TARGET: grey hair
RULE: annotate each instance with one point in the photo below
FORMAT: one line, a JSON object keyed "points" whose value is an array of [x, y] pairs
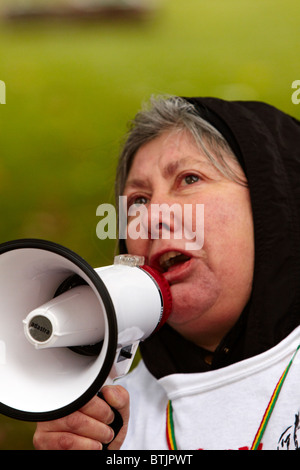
{"points": [[168, 114]]}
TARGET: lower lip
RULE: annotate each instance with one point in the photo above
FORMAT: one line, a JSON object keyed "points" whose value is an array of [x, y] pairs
{"points": [[178, 272]]}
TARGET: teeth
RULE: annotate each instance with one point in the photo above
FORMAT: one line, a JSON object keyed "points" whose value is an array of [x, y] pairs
{"points": [[170, 258], [167, 256]]}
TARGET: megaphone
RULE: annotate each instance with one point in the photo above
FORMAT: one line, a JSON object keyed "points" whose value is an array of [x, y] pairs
{"points": [[67, 329]]}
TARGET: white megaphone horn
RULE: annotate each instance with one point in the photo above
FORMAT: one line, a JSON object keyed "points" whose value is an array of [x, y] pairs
{"points": [[67, 329]]}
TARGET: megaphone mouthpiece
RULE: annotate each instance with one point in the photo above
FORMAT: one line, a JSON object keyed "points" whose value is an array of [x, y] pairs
{"points": [[74, 318]]}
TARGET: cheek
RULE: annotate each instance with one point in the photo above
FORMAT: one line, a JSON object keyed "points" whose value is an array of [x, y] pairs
{"points": [[193, 225], [228, 222], [196, 295], [136, 247], [229, 242]]}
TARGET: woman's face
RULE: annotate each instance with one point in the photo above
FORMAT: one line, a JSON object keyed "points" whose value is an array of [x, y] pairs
{"points": [[210, 281]]}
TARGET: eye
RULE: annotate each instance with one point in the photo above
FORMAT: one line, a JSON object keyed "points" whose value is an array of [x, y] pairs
{"points": [[190, 179], [138, 200]]}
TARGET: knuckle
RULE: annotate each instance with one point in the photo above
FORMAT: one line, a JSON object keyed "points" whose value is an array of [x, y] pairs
{"points": [[108, 415], [108, 435], [75, 421], [37, 441], [123, 395], [65, 442]]}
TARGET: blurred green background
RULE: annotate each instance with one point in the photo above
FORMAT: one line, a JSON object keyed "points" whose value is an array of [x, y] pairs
{"points": [[72, 86]]}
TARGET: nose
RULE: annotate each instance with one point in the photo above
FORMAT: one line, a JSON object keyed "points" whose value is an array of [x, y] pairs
{"points": [[164, 217], [159, 221], [160, 218]]}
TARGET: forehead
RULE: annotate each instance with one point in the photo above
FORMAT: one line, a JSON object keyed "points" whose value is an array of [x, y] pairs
{"points": [[176, 150], [167, 153], [169, 146]]}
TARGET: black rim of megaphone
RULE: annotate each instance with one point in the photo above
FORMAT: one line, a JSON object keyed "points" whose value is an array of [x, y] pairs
{"points": [[94, 388]]}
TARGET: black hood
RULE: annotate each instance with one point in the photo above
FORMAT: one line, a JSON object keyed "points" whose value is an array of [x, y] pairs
{"points": [[267, 143]]}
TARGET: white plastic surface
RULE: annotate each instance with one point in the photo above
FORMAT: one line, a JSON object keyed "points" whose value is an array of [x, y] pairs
{"points": [[75, 318], [40, 380], [136, 299], [35, 380]]}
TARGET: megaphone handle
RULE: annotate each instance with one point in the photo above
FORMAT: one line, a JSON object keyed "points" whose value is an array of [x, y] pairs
{"points": [[117, 422]]}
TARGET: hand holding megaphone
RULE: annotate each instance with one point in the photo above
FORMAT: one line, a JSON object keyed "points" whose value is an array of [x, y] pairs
{"points": [[91, 427], [67, 329]]}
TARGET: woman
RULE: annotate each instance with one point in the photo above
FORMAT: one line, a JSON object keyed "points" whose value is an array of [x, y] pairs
{"points": [[234, 326]]}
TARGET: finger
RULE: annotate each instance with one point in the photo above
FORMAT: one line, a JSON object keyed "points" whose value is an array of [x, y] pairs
{"points": [[98, 409], [118, 398], [79, 424], [64, 441], [86, 426]]}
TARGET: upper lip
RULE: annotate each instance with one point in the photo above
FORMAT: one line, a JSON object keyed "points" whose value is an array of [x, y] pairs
{"points": [[162, 260]]}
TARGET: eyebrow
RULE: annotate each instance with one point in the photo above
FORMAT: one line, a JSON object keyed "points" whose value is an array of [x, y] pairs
{"points": [[168, 171], [136, 183], [171, 168]]}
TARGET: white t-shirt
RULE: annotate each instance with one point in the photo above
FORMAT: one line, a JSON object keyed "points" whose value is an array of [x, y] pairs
{"points": [[220, 409]]}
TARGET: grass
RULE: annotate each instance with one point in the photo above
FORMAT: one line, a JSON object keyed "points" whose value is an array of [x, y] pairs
{"points": [[71, 88]]}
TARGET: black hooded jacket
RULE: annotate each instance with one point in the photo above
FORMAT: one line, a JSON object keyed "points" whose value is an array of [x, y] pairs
{"points": [[267, 143]]}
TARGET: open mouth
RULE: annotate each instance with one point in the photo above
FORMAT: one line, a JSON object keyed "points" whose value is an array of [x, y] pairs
{"points": [[172, 258]]}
